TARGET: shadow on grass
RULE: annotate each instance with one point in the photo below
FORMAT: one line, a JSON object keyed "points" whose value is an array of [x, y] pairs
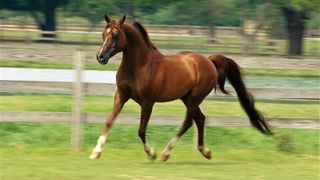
{"points": [[190, 162]]}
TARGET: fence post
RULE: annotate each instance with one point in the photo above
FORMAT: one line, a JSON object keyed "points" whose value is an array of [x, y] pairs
{"points": [[77, 115]]}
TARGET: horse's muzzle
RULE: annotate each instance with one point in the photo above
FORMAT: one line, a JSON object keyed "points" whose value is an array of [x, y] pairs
{"points": [[103, 58]]}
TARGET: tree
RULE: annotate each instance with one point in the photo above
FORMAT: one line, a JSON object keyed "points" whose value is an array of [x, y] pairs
{"points": [[43, 11], [141, 9], [296, 12], [92, 10]]}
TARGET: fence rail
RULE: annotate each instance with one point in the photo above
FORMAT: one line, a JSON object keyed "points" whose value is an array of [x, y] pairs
{"points": [[156, 120], [177, 36], [225, 40], [109, 89], [190, 29]]}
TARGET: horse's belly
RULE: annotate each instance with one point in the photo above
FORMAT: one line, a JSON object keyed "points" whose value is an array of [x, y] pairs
{"points": [[175, 81], [174, 90], [170, 97]]}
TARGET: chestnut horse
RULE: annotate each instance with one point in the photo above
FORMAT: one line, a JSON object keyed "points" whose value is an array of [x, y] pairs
{"points": [[147, 76]]}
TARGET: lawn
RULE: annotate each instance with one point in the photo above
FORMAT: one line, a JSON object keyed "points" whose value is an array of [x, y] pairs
{"points": [[41, 151], [216, 107]]}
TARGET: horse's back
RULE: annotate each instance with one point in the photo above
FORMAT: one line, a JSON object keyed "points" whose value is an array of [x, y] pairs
{"points": [[206, 73], [200, 64], [182, 73]]}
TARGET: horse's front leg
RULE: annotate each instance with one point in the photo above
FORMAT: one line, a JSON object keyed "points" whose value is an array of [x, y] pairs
{"points": [[146, 109], [119, 100]]}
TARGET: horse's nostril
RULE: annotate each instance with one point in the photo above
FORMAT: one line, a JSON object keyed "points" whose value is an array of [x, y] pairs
{"points": [[101, 56]]}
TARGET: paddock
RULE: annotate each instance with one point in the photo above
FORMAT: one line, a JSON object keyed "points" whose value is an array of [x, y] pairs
{"points": [[37, 116]]}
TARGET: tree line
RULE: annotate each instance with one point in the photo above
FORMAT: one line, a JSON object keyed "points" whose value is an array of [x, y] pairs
{"points": [[288, 16]]}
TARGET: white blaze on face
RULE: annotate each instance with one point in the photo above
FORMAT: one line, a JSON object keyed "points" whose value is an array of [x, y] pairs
{"points": [[105, 41], [108, 30]]}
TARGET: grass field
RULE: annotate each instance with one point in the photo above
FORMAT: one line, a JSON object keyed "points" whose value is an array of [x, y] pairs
{"points": [[217, 107], [41, 151], [114, 67]]}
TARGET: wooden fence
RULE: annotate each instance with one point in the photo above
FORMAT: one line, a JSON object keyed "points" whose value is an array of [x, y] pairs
{"points": [[156, 120], [109, 90], [78, 117], [225, 40]]}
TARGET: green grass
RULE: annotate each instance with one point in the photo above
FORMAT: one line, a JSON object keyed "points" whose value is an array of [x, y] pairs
{"points": [[41, 151], [282, 72], [54, 65], [114, 67], [217, 107]]}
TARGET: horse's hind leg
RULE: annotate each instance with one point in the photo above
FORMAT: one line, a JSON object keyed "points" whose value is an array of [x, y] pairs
{"points": [[191, 110], [199, 119]]}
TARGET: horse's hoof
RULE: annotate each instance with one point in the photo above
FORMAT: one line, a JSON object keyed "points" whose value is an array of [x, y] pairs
{"points": [[165, 157], [95, 155], [207, 154], [154, 156]]}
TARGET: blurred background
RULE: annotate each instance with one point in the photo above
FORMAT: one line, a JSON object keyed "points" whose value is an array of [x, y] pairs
{"points": [[54, 96]]}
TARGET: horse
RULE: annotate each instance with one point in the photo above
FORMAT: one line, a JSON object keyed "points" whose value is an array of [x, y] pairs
{"points": [[147, 76]]}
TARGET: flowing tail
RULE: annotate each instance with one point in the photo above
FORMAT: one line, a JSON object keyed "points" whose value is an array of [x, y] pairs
{"points": [[227, 68]]}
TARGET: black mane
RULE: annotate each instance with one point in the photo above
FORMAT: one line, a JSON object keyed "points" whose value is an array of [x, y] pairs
{"points": [[144, 34]]}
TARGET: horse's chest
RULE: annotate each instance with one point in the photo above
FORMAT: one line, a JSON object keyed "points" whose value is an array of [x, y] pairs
{"points": [[137, 86], [130, 88]]}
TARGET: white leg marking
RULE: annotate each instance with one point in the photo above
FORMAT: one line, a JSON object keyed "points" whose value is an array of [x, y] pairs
{"points": [[96, 152], [148, 149], [170, 146], [102, 139]]}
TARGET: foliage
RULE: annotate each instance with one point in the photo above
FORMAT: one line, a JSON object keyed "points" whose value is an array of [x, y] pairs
{"points": [[92, 10], [206, 12], [298, 5], [296, 12], [42, 10], [29, 5], [314, 22], [189, 12]]}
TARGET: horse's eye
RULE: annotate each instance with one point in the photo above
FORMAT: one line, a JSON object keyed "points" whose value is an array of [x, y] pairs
{"points": [[115, 36]]}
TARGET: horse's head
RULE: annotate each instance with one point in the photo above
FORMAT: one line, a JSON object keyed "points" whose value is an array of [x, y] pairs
{"points": [[114, 40]]}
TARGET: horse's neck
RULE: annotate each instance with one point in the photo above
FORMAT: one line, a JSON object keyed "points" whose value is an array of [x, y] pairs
{"points": [[136, 55]]}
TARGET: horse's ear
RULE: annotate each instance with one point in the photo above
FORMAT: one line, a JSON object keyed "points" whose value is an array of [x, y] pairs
{"points": [[108, 20], [121, 21]]}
